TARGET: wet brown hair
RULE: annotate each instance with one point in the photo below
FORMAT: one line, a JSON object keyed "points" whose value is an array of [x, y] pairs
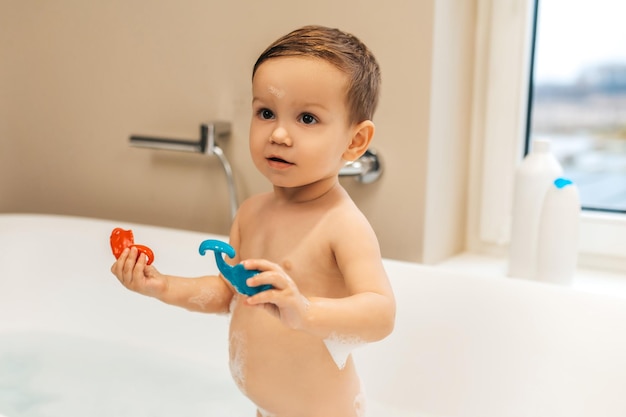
{"points": [[343, 50]]}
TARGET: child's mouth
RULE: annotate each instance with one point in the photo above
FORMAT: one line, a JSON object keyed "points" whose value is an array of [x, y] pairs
{"points": [[279, 160], [278, 163]]}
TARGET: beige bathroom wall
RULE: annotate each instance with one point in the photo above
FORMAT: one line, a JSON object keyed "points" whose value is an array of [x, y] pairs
{"points": [[78, 77]]}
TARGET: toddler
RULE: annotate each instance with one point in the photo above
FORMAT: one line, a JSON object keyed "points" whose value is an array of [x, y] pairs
{"points": [[314, 94]]}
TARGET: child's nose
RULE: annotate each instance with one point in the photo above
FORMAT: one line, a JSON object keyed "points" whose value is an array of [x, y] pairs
{"points": [[280, 136]]}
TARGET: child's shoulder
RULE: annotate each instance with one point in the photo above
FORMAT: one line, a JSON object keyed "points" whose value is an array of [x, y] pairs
{"points": [[345, 218]]}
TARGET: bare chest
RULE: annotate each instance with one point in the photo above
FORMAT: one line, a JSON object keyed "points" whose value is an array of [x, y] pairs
{"points": [[302, 247]]}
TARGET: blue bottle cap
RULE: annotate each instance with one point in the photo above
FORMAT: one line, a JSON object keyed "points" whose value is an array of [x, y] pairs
{"points": [[562, 182]]}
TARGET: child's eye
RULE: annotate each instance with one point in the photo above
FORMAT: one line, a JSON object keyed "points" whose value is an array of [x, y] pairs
{"points": [[265, 114], [308, 119]]}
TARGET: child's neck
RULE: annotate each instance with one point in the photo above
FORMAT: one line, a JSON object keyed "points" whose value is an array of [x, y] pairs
{"points": [[307, 193]]}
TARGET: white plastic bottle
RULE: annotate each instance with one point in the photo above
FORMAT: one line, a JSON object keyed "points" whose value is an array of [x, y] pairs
{"points": [[557, 248], [532, 179]]}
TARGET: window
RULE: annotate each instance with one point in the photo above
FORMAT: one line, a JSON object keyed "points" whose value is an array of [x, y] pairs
{"points": [[500, 108], [578, 96]]}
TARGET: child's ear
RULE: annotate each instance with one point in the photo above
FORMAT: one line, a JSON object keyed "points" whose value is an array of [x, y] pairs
{"points": [[361, 138]]}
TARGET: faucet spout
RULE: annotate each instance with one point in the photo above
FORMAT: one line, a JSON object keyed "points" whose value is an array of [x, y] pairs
{"points": [[209, 134]]}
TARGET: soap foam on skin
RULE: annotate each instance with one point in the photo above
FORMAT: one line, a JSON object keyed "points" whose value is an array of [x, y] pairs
{"points": [[360, 402], [340, 347], [233, 302], [203, 299], [237, 348], [276, 92]]}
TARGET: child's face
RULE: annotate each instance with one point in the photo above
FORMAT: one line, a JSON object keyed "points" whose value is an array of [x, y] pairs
{"points": [[299, 129]]}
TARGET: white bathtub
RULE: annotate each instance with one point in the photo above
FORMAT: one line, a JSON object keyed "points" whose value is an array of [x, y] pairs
{"points": [[463, 346]]}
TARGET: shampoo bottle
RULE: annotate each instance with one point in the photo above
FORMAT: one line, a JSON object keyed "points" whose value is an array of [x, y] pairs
{"points": [[557, 248], [532, 179]]}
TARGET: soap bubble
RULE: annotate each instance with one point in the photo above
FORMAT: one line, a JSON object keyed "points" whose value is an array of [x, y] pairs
{"points": [[340, 347]]}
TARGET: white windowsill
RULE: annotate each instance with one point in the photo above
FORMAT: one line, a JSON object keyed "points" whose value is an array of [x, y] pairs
{"points": [[502, 64], [588, 280]]}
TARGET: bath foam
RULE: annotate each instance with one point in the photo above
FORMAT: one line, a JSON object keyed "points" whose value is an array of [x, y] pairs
{"points": [[237, 348], [203, 299], [340, 347], [360, 402], [275, 91], [233, 303]]}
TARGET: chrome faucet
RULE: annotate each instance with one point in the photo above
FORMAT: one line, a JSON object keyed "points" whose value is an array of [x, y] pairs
{"points": [[209, 133], [367, 169], [207, 144]]}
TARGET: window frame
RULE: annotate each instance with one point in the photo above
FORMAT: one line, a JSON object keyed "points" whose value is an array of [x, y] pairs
{"points": [[504, 30]]}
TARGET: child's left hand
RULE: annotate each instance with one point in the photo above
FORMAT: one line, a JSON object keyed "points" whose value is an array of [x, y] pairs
{"points": [[284, 300]]}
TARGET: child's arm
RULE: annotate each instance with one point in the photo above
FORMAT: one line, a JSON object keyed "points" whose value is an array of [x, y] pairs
{"points": [[209, 294], [367, 314]]}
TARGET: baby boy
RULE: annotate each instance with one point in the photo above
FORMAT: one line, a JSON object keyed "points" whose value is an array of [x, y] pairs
{"points": [[314, 94]]}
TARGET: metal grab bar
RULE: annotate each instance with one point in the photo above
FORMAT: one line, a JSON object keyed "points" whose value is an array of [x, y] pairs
{"points": [[209, 134]]}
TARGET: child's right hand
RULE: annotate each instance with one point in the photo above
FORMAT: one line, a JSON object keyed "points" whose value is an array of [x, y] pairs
{"points": [[132, 271]]}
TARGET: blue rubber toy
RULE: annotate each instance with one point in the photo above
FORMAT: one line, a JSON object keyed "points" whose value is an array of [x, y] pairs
{"points": [[237, 275]]}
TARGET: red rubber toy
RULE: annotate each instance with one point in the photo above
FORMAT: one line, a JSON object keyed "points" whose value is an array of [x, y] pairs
{"points": [[122, 239]]}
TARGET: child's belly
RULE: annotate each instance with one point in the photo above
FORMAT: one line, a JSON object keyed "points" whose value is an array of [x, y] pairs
{"points": [[287, 372]]}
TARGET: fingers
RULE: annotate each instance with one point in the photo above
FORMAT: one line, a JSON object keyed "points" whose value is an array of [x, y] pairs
{"points": [[283, 287], [276, 278], [129, 267], [284, 300], [272, 296], [118, 265], [261, 265]]}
